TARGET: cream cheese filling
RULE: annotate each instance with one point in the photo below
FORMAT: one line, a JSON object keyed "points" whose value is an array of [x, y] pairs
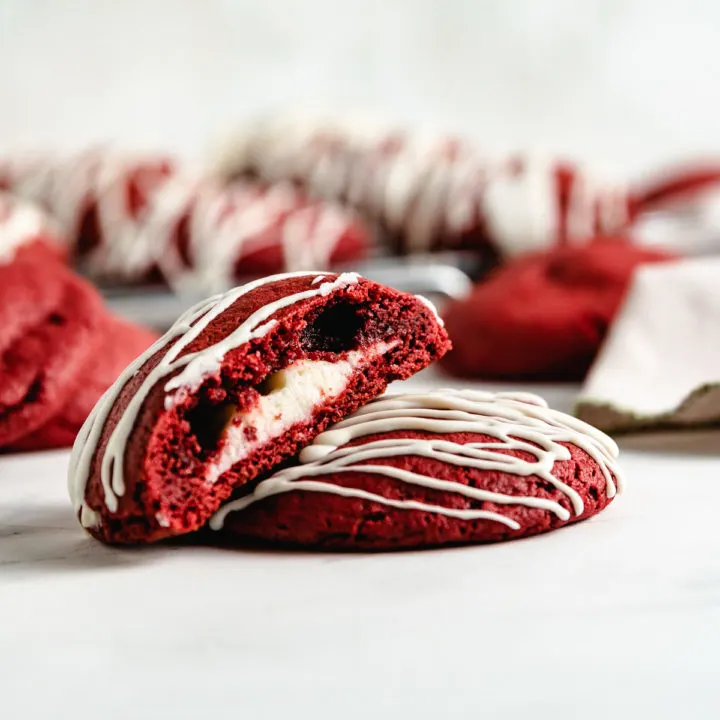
{"points": [[294, 394]]}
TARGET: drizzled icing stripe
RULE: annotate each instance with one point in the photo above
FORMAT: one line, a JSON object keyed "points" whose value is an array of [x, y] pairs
{"points": [[224, 224], [517, 421], [194, 367], [432, 190]]}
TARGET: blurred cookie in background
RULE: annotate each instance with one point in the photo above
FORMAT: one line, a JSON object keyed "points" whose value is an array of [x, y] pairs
{"points": [[429, 192], [543, 316], [147, 220]]}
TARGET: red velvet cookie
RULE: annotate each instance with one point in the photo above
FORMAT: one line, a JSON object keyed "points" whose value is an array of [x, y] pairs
{"points": [[213, 235], [49, 320], [97, 198], [543, 316], [434, 193], [447, 467], [117, 343], [239, 384], [142, 220]]}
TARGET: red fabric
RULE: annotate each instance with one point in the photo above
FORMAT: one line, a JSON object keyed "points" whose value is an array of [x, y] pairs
{"points": [[545, 315]]}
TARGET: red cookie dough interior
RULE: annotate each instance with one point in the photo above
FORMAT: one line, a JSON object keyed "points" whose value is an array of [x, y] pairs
{"points": [[320, 361]]}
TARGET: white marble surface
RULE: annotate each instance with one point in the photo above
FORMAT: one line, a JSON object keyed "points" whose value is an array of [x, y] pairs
{"points": [[617, 617]]}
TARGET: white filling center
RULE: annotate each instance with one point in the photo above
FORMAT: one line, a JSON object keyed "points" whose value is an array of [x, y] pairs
{"points": [[295, 393]]}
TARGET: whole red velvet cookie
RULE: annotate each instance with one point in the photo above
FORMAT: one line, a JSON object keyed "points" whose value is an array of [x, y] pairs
{"points": [[239, 384], [117, 343], [49, 323], [447, 467], [543, 316]]}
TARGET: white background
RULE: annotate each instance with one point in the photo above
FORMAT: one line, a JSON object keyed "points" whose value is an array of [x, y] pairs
{"points": [[623, 84]]}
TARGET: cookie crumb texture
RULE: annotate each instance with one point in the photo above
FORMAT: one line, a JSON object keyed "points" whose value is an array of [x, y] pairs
{"points": [[413, 488], [260, 374]]}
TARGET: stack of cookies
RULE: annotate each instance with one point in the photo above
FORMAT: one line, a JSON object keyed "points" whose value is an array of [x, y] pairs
{"points": [[260, 415]]}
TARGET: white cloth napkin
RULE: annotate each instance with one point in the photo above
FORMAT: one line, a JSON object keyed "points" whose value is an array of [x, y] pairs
{"points": [[660, 363]]}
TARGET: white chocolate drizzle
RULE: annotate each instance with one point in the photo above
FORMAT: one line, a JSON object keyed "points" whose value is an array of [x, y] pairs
{"points": [[516, 422], [193, 369], [225, 223], [431, 191]]}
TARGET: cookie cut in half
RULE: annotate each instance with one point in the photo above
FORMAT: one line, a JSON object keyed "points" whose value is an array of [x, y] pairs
{"points": [[239, 384], [443, 468]]}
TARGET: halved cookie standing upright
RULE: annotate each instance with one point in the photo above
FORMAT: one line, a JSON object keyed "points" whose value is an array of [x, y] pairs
{"points": [[239, 384]]}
